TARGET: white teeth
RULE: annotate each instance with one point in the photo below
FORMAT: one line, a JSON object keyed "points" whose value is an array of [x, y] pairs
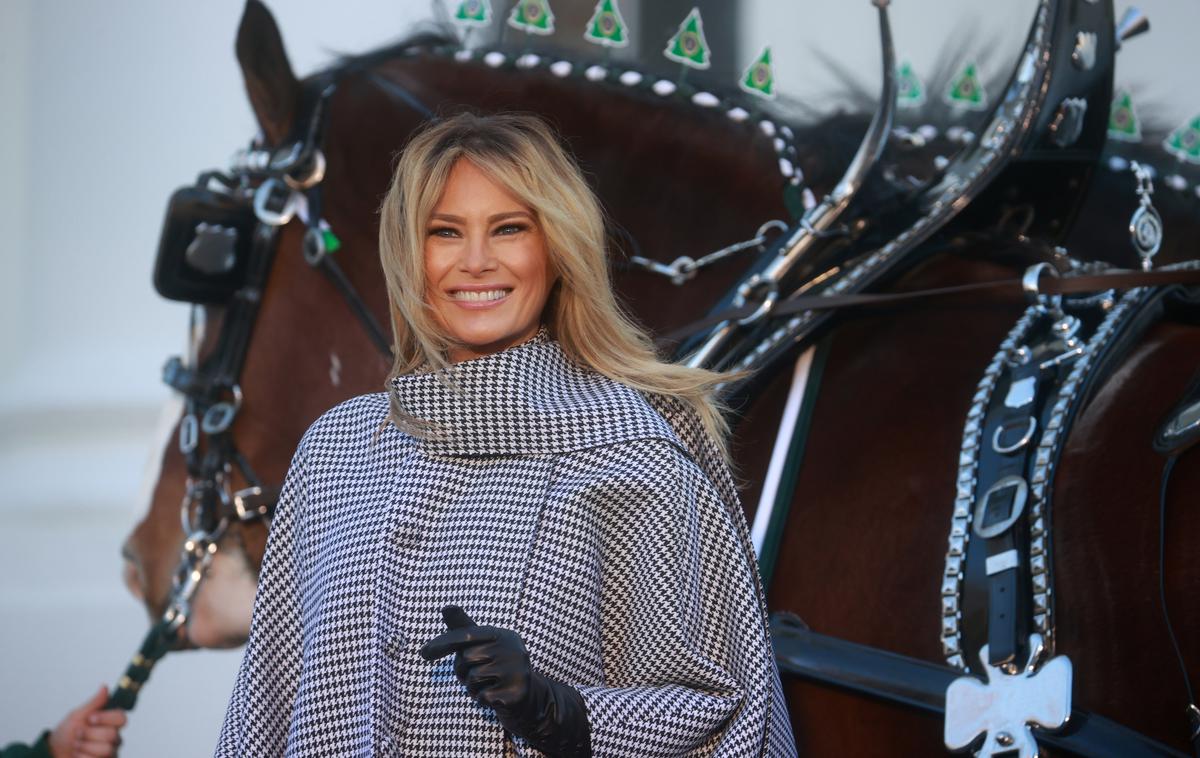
{"points": [[479, 296]]}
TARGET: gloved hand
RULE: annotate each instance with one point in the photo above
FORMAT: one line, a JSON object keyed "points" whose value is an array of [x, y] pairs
{"points": [[494, 665]]}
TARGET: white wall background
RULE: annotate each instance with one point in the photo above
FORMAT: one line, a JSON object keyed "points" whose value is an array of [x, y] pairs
{"points": [[105, 108]]}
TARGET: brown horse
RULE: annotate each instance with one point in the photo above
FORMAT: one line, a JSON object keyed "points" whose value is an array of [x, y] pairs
{"points": [[862, 554]]}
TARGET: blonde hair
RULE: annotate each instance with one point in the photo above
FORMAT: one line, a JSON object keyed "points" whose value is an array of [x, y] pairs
{"points": [[522, 154]]}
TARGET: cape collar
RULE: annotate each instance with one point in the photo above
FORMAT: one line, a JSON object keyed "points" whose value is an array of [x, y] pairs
{"points": [[528, 399]]}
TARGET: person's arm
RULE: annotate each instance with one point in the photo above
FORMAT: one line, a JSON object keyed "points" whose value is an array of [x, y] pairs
{"points": [[39, 749], [88, 731], [260, 709], [686, 654], [687, 658]]}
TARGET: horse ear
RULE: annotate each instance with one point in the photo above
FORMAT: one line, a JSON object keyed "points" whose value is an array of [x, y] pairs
{"points": [[273, 89]]}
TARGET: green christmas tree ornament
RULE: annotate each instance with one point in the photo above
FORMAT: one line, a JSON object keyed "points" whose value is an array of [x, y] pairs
{"points": [[910, 90], [1123, 122], [606, 26], [688, 46], [1184, 142], [473, 13], [759, 78], [966, 90], [533, 16]]}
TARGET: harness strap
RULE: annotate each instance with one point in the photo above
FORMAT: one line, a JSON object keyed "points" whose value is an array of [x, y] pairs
{"points": [[335, 274], [1012, 287], [803, 653]]}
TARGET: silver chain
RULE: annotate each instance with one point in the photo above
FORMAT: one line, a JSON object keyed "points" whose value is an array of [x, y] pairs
{"points": [[685, 267]]}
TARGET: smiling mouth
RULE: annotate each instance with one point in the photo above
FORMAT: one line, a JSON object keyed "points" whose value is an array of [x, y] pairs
{"points": [[479, 296]]}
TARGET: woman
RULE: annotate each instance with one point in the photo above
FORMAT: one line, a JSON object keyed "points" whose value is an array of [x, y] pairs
{"points": [[530, 544]]}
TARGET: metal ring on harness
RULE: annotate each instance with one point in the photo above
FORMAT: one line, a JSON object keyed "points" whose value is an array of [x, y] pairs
{"points": [[263, 196], [314, 176], [219, 416], [756, 282], [1020, 443], [313, 247], [194, 496]]}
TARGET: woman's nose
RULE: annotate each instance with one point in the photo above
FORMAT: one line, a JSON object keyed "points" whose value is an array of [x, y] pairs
{"points": [[477, 256]]}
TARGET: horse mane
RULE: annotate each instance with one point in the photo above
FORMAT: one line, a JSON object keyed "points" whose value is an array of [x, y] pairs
{"points": [[424, 35]]}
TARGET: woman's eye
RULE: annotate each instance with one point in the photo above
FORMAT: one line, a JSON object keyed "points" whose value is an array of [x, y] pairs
{"points": [[442, 231], [511, 229]]}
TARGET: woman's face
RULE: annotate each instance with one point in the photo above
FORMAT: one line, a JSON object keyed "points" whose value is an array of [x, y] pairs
{"points": [[487, 272]]}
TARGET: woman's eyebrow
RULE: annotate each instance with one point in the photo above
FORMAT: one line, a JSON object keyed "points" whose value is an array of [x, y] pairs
{"points": [[509, 214], [490, 219]]}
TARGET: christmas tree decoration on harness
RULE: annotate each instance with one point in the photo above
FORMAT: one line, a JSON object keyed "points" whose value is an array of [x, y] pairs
{"points": [[606, 26], [532, 16], [910, 90], [688, 46], [1123, 121], [966, 90], [1184, 142], [473, 13], [759, 77]]}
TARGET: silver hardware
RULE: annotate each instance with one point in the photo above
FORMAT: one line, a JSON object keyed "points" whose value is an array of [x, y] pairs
{"points": [[314, 177], [189, 433], [1021, 392], [1084, 54], [220, 415], [313, 247], [1061, 358], [1001, 562], [953, 566], [1067, 123], [1145, 226], [1020, 495], [266, 195], [1030, 284], [1017, 356], [769, 289], [826, 213], [1007, 704], [245, 509], [193, 498], [197, 321], [1133, 22], [1182, 423], [212, 251], [1015, 446], [684, 268]]}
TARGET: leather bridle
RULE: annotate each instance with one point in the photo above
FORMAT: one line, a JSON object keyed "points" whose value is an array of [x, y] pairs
{"points": [[277, 185]]}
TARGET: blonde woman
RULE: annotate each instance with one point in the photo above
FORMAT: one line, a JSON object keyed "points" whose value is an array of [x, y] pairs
{"points": [[530, 543]]}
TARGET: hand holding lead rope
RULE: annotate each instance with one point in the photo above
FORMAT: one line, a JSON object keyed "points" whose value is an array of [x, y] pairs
{"points": [[493, 664]]}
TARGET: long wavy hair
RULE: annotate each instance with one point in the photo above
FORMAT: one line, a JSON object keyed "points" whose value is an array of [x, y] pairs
{"points": [[521, 153]]}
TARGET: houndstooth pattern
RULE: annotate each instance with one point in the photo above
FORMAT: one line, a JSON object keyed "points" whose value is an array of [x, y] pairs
{"points": [[552, 501]]}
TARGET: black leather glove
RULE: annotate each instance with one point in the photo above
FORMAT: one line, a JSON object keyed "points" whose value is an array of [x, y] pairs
{"points": [[493, 664]]}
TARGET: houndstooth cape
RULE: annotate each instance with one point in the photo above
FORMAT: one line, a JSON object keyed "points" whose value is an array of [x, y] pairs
{"points": [[600, 525]]}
